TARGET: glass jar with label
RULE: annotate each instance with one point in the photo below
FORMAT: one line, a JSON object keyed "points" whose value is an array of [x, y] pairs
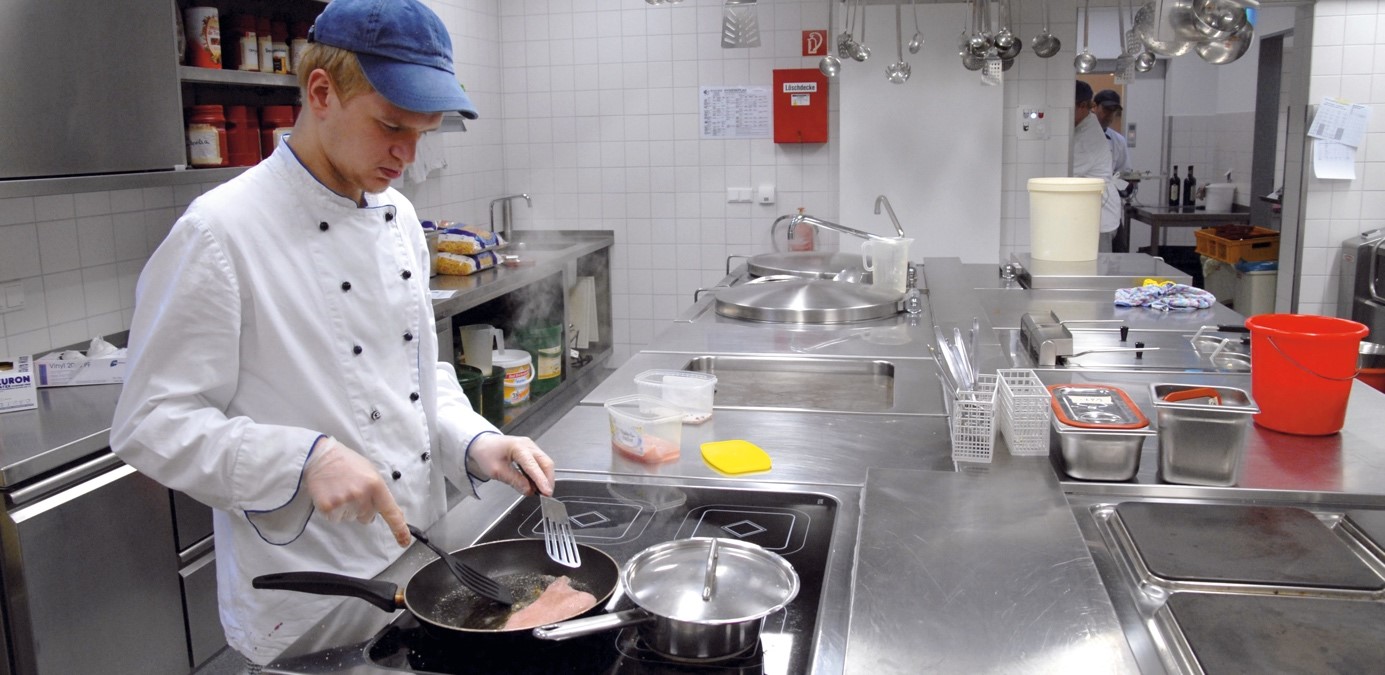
{"points": [[206, 136], [276, 122]]}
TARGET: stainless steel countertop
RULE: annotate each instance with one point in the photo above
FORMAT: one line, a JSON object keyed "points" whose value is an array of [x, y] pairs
{"points": [[978, 572]]}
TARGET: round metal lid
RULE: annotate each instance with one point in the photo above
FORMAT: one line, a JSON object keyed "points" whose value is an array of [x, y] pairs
{"points": [[667, 579], [806, 301], [806, 264]]}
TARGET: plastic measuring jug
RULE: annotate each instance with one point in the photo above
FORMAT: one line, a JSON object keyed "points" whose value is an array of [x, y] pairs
{"points": [[478, 340], [888, 262]]}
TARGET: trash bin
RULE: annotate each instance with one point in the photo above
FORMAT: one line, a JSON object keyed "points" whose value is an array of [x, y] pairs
{"points": [[1219, 279], [1255, 287]]}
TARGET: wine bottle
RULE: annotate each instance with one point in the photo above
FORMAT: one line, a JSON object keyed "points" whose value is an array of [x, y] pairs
{"points": [[1189, 187], [1173, 187]]}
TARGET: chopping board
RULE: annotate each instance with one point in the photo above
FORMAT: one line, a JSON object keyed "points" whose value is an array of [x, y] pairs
{"points": [[1217, 543], [1279, 634]]}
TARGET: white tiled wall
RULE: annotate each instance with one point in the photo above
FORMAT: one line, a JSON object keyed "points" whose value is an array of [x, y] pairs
{"points": [[1348, 61]]}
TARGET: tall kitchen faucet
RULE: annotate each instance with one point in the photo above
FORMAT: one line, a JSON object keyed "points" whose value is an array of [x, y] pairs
{"points": [[882, 200], [795, 219], [505, 217]]}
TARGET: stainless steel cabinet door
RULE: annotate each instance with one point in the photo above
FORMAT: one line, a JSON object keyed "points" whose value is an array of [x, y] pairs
{"points": [[89, 88], [91, 579]]}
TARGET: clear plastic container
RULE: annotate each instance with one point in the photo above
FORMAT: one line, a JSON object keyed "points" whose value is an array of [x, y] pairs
{"points": [[645, 428], [691, 391]]}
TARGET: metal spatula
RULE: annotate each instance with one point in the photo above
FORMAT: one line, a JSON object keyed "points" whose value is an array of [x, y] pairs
{"points": [[484, 586], [557, 529]]}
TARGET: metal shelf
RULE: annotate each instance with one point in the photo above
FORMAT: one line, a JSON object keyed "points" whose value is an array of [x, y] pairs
{"points": [[244, 78]]}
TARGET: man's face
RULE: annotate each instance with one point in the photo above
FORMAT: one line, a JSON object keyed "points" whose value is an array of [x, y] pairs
{"points": [[1105, 115], [1080, 112], [368, 141]]}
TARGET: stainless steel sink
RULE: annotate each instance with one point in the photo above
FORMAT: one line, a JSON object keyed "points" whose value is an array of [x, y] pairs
{"points": [[844, 385]]}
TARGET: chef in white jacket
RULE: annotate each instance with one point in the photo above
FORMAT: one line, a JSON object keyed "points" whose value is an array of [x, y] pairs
{"points": [[1091, 158], [283, 363]]}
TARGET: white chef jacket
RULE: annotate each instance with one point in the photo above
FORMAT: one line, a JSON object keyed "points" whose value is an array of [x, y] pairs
{"points": [[1120, 151], [1091, 158], [275, 312]]}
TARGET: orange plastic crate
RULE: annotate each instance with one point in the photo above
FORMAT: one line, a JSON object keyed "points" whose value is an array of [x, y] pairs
{"points": [[1256, 245]]}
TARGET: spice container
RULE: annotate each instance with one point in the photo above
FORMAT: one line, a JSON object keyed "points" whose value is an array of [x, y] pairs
{"points": [[279, 43], [202, 26], [266, 44], [298, 43], [206, 136], [1202, 432], [242, 136], [245, 47], [1099, 430], [276, 122]]}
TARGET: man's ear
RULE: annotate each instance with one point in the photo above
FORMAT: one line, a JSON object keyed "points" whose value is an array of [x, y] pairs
{"points": [[319, 92]]}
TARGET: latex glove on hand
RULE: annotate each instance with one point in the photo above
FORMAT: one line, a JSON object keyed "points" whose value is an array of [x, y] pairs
{"points": [[343, 485], [498, 457]]}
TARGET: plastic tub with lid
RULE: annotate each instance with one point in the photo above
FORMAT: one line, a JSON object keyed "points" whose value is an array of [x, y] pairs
{"points": [[645, 429], [1065, 218], [519, 372], [692, 391]]}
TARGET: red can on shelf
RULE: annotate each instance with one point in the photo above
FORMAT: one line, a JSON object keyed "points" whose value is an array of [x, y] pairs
{"points": [[202, 26], [242, 136], [276, 121], [206, 136]]}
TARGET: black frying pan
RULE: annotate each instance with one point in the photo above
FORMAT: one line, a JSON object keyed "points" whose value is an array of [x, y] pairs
{"points": [[446, 608]]}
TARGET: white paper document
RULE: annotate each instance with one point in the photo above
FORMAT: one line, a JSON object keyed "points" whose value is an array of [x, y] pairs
{"points": [[1334, 161], [735, 112], [1342, 122], [441, 295]]}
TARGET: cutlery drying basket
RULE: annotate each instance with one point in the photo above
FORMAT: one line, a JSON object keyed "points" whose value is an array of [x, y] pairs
{"points": [[971, 420], [1024, 411]]}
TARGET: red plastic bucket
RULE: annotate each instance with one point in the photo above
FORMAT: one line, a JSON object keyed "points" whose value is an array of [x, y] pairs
{"points": [[1301, 370]]}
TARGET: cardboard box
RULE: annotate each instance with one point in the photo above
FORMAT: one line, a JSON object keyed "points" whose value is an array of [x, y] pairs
{"points": [[53, 372], [17, 391]]}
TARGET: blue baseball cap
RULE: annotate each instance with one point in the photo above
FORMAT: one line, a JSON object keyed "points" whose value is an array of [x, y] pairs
{"points": [[403, 48]]}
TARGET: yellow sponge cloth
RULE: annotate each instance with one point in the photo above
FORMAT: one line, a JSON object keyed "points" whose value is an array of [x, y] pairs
{"points": [[735, 456]]}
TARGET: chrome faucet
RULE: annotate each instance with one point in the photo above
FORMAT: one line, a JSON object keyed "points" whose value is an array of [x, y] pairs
{"points": [[505, 218], [882, 200], [797, 218]]}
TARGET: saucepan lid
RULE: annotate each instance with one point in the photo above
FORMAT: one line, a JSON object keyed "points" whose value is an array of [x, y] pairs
{"points": [[670, 580], [1095, 406]]}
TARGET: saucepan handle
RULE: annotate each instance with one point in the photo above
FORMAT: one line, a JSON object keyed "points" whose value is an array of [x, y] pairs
{"points": [[576, 628]]}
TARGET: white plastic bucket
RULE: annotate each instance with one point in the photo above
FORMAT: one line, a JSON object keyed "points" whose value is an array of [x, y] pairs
{"points": [[1065, 218], [1219, 198], [519, 372]]}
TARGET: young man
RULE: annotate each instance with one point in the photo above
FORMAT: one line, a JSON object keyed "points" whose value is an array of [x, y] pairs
{"points": [[283, 363], [1107, 106], [1091, 158]]}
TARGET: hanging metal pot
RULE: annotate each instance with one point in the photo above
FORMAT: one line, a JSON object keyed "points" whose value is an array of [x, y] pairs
{"points": [[1221, 52]]}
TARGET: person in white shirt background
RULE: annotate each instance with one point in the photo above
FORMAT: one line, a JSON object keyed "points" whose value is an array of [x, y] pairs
{"points": [[283, 362], [1091, 158], [1107, 107]]}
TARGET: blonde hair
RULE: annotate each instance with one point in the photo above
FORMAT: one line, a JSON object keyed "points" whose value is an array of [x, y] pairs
{"points": [[342, 68]]}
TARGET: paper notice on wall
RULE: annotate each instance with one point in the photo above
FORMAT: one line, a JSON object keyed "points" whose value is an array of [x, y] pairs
{"points": [[1340, 121], [734, 112], [1334, 161]]}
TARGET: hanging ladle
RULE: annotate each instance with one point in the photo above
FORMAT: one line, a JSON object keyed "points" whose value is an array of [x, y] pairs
{"points": [[1085, 62], [1046, 44], [917, 41], [898, 72], [860, 52], [830, 65]]}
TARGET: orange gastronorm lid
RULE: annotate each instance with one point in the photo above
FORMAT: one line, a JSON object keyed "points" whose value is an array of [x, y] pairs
{"points": [[1095, 406]]}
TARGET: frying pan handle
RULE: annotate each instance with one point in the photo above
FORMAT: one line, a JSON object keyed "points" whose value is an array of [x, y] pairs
{"points": [[576, 628], [382, 594]]}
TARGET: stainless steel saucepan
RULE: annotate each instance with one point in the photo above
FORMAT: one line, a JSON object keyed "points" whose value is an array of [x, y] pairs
{"points": [[697, 599]]}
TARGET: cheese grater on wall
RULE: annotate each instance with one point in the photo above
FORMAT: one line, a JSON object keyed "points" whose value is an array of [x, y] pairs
{"points": [[740, 24]]}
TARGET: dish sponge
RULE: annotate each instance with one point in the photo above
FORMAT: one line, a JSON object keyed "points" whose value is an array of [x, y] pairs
{"points": [[735, 456]]}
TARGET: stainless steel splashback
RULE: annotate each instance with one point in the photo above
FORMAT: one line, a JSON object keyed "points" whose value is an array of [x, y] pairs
{"points": [[90, 88]]}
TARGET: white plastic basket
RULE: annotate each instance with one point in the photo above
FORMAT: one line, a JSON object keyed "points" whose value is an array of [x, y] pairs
{"points": [[971, 421], [1024, 411]]}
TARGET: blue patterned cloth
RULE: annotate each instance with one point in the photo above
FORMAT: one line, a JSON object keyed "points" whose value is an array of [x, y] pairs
{"points": [[1165, 297]]}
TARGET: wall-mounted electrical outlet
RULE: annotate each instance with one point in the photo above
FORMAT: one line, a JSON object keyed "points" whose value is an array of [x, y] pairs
{"points": [[11, 296]]}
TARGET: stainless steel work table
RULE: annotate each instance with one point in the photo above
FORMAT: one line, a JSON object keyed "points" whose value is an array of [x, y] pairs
{"points": [[1159, 217]]}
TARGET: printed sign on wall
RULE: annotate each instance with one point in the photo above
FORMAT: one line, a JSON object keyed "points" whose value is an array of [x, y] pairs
{"points": [[815, 43]]}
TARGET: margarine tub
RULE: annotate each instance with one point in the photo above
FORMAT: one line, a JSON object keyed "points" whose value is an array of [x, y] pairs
{"points": [[519, 372]]}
